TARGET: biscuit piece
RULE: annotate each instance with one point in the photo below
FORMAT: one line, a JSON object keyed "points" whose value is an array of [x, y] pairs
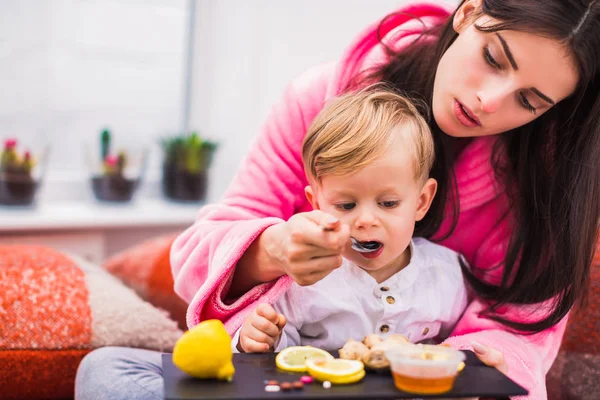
{"points": [[375, 358], [396, 338], [353, 350], [371, 340]]}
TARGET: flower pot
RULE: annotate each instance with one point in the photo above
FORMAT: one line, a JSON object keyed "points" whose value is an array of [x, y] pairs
{"points": [[114, 182], [22, 169], [17, 190], [187, 158], [114, 188], [182, 185]]}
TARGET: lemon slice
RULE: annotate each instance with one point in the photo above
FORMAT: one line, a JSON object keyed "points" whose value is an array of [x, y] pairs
{"points": [[337, 371], [293, 359]]}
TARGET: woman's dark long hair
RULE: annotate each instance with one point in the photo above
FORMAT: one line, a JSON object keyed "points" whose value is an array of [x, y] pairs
{"points": [[552, 163]]}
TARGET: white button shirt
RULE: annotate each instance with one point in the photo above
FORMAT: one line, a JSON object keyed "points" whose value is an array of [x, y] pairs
{"points": [[423, 301]]}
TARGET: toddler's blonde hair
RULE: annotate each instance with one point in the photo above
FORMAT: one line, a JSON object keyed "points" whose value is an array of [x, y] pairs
{"points": [[357, 128]]}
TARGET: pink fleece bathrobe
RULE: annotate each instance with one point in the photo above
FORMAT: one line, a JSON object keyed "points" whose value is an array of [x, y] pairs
{"points": [[269, 189]]}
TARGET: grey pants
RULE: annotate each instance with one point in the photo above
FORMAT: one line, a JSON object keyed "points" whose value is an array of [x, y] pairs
{"points": [[115, 373]]}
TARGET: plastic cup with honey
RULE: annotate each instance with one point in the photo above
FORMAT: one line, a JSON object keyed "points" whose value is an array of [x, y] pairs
{"points": [[424, 369]]}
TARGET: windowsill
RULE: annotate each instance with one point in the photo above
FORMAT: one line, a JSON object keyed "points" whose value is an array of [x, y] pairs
{"points": [[68, 215]]}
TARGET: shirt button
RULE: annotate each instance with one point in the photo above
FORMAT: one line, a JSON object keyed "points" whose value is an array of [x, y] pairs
{"points": [[384, 328], [425, 331], [390, 299], [384, 288]]}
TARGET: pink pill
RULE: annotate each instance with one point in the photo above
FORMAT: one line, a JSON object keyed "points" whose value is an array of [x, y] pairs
{"points": [[306, 379]]}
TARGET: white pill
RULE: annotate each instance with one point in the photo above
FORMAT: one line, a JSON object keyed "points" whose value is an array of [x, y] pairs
{"points": [[326, 385], [272, 388]]}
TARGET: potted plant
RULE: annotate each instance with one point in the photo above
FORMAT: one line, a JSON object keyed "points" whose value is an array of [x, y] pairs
{"points": [[18, 183], [186, 162], [116, 177]]}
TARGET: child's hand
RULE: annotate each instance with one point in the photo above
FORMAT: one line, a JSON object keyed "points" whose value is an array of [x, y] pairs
{"points": [[260, 330]]}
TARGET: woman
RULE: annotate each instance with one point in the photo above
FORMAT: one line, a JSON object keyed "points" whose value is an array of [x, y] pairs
{"points": [[513, 88]]}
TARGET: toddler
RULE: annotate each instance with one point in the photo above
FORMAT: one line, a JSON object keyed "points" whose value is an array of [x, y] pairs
{"points": [[367, 156]]}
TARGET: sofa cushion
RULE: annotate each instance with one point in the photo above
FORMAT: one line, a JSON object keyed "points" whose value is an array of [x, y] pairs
{"points": [[574, 376], [576, 372], [146, 269], [583, 330], [54, 309]]}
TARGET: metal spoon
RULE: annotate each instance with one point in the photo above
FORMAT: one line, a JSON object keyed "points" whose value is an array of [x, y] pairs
{"points": [[364, 248], [356, 245]]}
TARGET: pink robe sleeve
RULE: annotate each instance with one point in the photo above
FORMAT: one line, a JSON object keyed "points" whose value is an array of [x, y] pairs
{"points": [[268, 189]]}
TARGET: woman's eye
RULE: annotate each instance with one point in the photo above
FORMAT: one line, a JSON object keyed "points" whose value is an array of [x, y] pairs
{"points": [[525, 103], [389, 204], [345, 206], [490, 59]]}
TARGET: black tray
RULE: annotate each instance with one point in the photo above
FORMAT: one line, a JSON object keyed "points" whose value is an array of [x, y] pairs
{"points": [[251, 370]]}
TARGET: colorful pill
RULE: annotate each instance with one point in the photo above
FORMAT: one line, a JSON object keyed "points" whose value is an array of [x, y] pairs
{"points": [[272, 388], [298, 385]]}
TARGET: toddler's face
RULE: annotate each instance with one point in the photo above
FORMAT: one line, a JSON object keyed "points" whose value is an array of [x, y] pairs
{"points": [[380, 203]]}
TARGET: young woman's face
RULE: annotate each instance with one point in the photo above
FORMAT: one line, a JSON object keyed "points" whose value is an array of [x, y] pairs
{"points": [[489, 83]]}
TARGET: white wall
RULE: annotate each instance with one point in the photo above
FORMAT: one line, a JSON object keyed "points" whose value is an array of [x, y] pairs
{"points": [[70, 67], [247, 51]]}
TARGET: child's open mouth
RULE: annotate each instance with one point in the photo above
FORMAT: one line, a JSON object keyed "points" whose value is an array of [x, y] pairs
{"points": [[373, 253], [369, 246]]}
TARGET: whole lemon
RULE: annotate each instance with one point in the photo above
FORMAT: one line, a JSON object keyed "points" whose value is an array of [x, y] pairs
{"points": [[204, 351]]}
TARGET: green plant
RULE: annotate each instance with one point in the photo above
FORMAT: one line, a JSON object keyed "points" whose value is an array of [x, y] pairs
{"points": [[111, 164], [189, 153], [11, 162]]}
